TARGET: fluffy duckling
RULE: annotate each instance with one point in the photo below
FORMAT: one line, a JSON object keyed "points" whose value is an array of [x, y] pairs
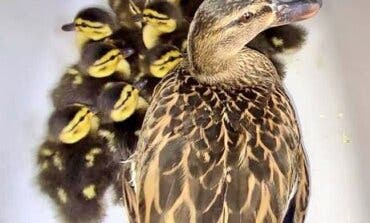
{"points": [[92, 24], [157, 63], [76, 177], [100, 63], [126, 10], [95, 24], [72, 123], [279, 40], [164, 23], [118, 101], [76, 87], [221, 141], [99, 60], [160, 60], [76, 164], [123, 111]]}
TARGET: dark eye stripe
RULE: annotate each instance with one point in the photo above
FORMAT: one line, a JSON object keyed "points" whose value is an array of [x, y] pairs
{"points": [[154, 17], [170, 59], [124, 101], [82, 118], [110, 59], [84, 25]]}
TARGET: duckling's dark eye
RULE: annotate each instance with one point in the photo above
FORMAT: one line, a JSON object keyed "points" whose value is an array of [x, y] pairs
{"points": [[245, 17]]}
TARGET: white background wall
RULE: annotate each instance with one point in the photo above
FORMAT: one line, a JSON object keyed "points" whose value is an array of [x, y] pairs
{"points": [[328, 81]]}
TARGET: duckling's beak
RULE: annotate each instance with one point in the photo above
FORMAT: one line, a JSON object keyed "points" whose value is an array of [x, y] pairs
{"points": [[140, 85], [126, 52], [288, 11], [69, 27]]}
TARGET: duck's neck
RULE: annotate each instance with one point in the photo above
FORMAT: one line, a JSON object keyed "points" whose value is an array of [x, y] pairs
{"points": [[215, 64]]}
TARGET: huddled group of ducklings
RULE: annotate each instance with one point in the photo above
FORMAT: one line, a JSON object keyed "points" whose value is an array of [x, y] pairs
{"points": [[101, 101]]}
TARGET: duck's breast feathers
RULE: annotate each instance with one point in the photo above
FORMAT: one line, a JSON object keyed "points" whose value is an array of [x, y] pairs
{"points": [[202, 148]]}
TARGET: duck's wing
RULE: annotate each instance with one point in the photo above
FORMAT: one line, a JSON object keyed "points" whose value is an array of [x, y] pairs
{"points": [[129, 194], [197, 165], [297, 209]]}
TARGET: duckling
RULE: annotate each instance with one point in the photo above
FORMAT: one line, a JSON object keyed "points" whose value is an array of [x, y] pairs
{"points": [[76, 177], [188, 8], [76, 164], [126, 10], [164, 23], [157, 62], [279, 40], [220, 132], [72, 123], [160, 60], [100, 63], [118, 101], [123, 112], [101, 60], [75, 87], [92, 24]]}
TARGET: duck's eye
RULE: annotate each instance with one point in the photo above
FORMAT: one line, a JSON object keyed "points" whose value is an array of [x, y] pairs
{"points": [[245, 17]]}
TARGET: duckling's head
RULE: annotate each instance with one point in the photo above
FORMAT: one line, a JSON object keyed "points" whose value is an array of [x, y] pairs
{"points": [[72, 123], [118, 101], [99, 59], [221, 28], [162, 15], [161, 60], [92, 24]]}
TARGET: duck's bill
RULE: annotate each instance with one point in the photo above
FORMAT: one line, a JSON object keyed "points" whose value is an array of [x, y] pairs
{"points": [[69, 27], [288, 11]]}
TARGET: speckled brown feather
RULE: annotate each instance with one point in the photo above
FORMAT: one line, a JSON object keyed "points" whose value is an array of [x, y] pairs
{"points": [[211, 154]]}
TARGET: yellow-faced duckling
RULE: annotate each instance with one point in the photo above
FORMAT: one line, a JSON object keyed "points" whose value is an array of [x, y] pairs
{"points": [[221, 141], [118, 101], [163, 23], [101, 60], [92, 24], [123, 111], [100, 63], [126, 11], [72, 123], [77, 164], [161, 60], [157, 63]]}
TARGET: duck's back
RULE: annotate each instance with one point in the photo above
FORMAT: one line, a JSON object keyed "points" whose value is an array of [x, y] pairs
{"points": [[213, 155]]}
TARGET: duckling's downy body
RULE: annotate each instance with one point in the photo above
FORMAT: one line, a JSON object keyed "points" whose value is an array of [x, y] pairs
{"points": [[100, 63], [75, 87], [220, 141], [77, 164], [76, 176]]}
